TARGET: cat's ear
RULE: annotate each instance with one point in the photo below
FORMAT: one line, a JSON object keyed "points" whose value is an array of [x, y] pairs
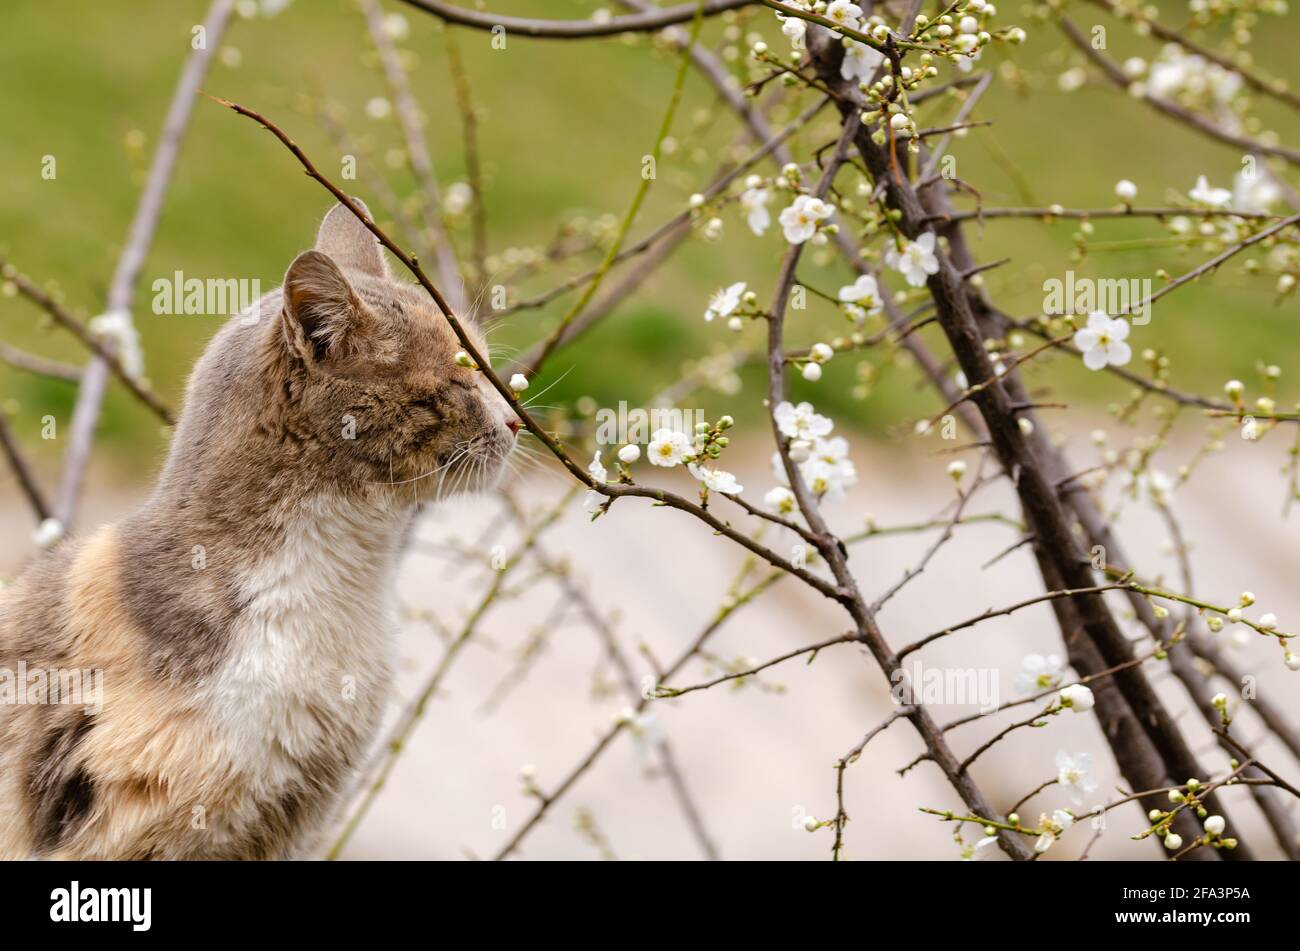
{"points": [[344, 238], [322, 314]]}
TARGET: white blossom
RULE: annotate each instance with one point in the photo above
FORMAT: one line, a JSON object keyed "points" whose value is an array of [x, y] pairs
{"points": [[860, 61], [863, 293], [801, 422], [1078, 698], [795, 28], [456, 199], [828, 470], [593, 500], [669, 448], [1254, 194], [833, 452], [1125, 190], [716, 479], [1177, 73], [799, 220], [824, 481], [1203, 194], [1071, 79], [1155, 486], [1059, 821], [1039, 673], [916, 261], [1072, 775], [980, 847], [724, 301], [1215, 825], [780, 500], [1134, 67], [116, 329], [845, 13], [754, 202], [397, 26], [629, 453], [824, 465], [1102, 341]]}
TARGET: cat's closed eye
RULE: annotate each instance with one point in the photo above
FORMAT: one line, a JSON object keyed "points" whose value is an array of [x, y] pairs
{"points": [[431, 404]]}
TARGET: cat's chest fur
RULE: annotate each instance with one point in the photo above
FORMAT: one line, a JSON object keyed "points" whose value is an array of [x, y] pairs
{"points": [[307, 674]]}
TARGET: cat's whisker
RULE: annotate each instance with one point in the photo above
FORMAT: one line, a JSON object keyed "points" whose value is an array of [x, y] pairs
{"points": [[540, 393], [426, 475]]}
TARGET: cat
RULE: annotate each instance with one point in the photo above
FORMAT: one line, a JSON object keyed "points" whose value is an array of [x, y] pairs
{"points": [[244, 615]]}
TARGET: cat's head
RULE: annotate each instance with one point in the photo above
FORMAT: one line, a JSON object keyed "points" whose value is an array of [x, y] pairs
{"points": [[374, 373]]}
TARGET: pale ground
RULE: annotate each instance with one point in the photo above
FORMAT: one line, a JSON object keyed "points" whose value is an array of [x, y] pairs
{"points": [[757, 760]]}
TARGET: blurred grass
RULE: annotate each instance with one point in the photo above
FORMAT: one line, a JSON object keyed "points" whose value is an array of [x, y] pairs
{"points": [[563, 130]]}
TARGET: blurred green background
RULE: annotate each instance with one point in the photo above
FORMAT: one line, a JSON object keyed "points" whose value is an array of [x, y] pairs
{"points": [[563, 127]]}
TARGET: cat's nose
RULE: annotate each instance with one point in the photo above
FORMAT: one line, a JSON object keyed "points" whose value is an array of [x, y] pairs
{"points": [[514, 424]]}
